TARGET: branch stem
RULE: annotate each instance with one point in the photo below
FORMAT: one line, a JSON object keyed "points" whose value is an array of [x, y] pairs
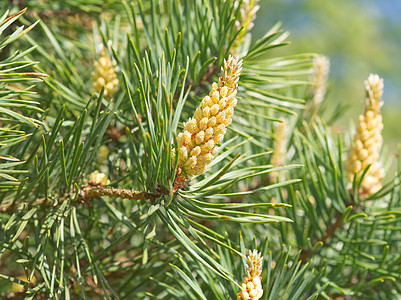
{"points": [[88, 192]]}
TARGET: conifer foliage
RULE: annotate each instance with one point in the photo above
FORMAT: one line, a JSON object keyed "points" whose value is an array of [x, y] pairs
{"points": [[126, 174]]}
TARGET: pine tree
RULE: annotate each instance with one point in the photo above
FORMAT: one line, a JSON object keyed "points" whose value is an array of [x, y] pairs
{"points": [[156, 150]]}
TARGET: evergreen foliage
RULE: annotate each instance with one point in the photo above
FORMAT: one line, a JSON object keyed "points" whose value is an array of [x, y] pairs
{"points": [[93, 204]]}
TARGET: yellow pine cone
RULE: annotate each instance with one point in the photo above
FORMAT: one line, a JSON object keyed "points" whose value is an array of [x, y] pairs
{"points": [[197, 144], [96, 178], [252, 283], [105, 75], [368, 140]]}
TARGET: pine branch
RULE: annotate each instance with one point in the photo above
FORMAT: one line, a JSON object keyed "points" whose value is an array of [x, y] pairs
{"points": [[123, 120]]}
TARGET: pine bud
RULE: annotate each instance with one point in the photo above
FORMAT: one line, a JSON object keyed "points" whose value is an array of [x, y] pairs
{"points": [[208, 126], [105, 75], [368, 140], [98, 179], [251, 285]]}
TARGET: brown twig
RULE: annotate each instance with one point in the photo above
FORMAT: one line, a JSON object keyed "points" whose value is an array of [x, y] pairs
{"points": [[89, 192]]}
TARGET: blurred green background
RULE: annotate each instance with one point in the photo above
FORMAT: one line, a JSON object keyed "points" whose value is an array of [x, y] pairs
{"points": [[359, 37]]}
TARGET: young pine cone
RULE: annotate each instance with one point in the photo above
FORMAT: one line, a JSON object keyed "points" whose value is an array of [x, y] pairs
{"points": [[252, 283], [197, 143], [368, 140]]}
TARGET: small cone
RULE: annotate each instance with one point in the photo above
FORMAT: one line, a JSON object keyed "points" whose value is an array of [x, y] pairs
{"points": [[252, 283], [367, 143], [197, 144]]}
